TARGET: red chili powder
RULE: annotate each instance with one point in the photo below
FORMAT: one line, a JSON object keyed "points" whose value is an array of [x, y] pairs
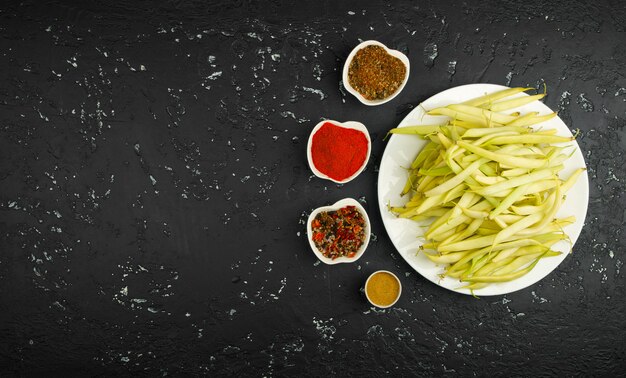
{"points": [[338, 152]]}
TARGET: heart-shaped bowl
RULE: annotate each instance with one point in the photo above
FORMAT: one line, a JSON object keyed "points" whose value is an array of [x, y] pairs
{"points": [[334, 207], [348, 125], [355, 93]]}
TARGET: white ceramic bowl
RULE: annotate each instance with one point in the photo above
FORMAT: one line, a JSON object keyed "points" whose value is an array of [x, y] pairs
{"points": [[399, 289], [348, 125], [336, 206], [346, 66]]}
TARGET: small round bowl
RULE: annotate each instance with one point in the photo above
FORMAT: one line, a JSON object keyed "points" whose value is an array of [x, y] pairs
{"points": [[346, 67], [336, 206], [399, 288], [348, 125]]}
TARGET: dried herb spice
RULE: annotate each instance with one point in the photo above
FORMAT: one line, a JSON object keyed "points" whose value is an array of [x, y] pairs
{"points": [[339, 233], [375, 74]]}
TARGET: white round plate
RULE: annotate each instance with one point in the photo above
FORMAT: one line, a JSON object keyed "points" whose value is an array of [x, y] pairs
{"points": [[406, 235]]}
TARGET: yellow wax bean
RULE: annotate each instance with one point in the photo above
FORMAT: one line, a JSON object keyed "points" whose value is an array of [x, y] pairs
{"points": [[409, 182], [489, 169], [503, 277], [517, 181], [439, 171], [467, 200], [433, 160], [468, 159], [515, 195], [492, 97], [423, 155], [440, 199], [538, 240], [513, 161], [423, 184], [464, 117], [474, 213], [454, 193], [444, 235], [470, 243], [532, 249], [445, 142], [492, 266], [491, 224], [433, 138], [461, 264], [441, 220], [456, 180], [420, 218], [531, 120], [455, 132], [500, 222], [486, 265], [452, 153], [546, 132], [415, 200], [480, 132], [484, 113], [429, 246], [537, 186], [451, 224], [483, 231], [513, 172], [486, 138], [417, 130], [509, 218], [557, 161], [515, 102], [414, 211], [518, 262], [523, 120], [555, 200], [520, 225], [526, 150], [567, 185], [477, 264], [507, 149], [426, 204], [462, 234], [488, 180], [529, 209], [465, 124], [446, 259], [469, 231], [554, 226], [436, 212], [459, 230], [528, 138], [527, 255], [398, 210], [505, 253], [459, 272]]}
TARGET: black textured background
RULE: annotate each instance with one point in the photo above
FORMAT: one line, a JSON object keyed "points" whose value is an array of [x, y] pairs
{"points": [[154, 188]]}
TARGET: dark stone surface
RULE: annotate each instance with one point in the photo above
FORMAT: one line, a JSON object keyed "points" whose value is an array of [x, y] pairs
{"points": [[153, 189]]}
